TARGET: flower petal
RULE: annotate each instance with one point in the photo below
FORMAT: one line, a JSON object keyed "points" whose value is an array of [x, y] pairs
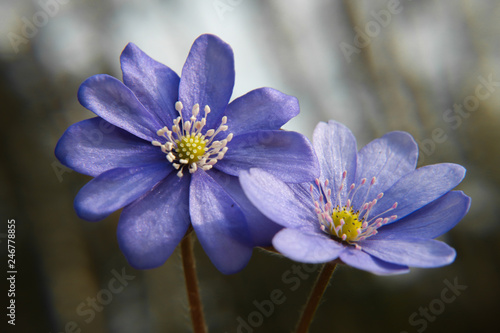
{"points": [[155, 85], [94, 146], [283, 204], [261, 228], [219, 223], [430, 221], [361, 260], [419, 188], [306, 248], [207, 78], [336, 149], [151, 227], [117, 188], [287, 155], [260, 109], [415, 252], [110, 99], [388, 159]]}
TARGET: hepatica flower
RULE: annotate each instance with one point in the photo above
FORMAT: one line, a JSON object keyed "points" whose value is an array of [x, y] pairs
{"points": [[369, 209], [169, 150]]}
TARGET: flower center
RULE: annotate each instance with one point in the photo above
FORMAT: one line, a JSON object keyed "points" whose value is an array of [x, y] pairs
{"points": [[344, 222], [188, 145], [191, 148], [348, 221]]}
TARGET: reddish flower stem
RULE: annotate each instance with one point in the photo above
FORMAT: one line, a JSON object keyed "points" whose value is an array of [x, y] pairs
{"points": [[193, 292], [315, 297]]}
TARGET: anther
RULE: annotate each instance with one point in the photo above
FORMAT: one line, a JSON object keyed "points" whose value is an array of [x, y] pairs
{"points": [[178, 106]]}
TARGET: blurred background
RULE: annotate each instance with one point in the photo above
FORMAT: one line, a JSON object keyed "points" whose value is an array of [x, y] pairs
{"points": [[431, 68]]}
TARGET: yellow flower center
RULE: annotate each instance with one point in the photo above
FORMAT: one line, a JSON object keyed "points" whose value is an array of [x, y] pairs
{"points": [[191, 148], [348, 221]]}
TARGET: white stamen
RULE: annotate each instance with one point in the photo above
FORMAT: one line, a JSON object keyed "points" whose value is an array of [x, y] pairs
{"points": [[185, 144], [324, 208], [178, 106]]}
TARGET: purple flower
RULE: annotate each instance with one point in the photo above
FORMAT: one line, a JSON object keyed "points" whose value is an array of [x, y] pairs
{"points": [[169, 151], [369, 209]]}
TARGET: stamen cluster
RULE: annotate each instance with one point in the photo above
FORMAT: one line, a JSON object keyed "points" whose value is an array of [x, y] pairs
{"points": [[341, 220], [187, 146]]}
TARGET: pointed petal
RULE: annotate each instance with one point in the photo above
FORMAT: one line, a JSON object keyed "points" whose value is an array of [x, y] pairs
{"points": [[430, 221], [306, 248], [336, 149], [287, 155], [207, 78], [414, 252], [419, 188], [260, 109], [117, 188], [150, 228], [112, 100], [155, 85], [219, 224], [361, 260], [94, 146], [388, 159], [291, 207], [261, 228]]}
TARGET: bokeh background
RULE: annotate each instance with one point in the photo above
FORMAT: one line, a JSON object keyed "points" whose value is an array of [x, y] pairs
{"points": [[431, 68]]}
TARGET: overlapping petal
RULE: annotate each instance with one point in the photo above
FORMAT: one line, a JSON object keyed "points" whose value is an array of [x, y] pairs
{"points": [[117, 188], [150, 228], [155, 85], [94, 146], [287, 155], [261, 228], [110, 99], [219, 223], [283, 204], [260, 109], [388, 159], [361, 260], [337, 152], [419, 188], [308, 248], [207, 78], [430, 221], [415, 252]]}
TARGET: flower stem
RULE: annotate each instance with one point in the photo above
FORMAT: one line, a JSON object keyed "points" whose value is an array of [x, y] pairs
{"points": [[193, 292], [315, 296]]}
